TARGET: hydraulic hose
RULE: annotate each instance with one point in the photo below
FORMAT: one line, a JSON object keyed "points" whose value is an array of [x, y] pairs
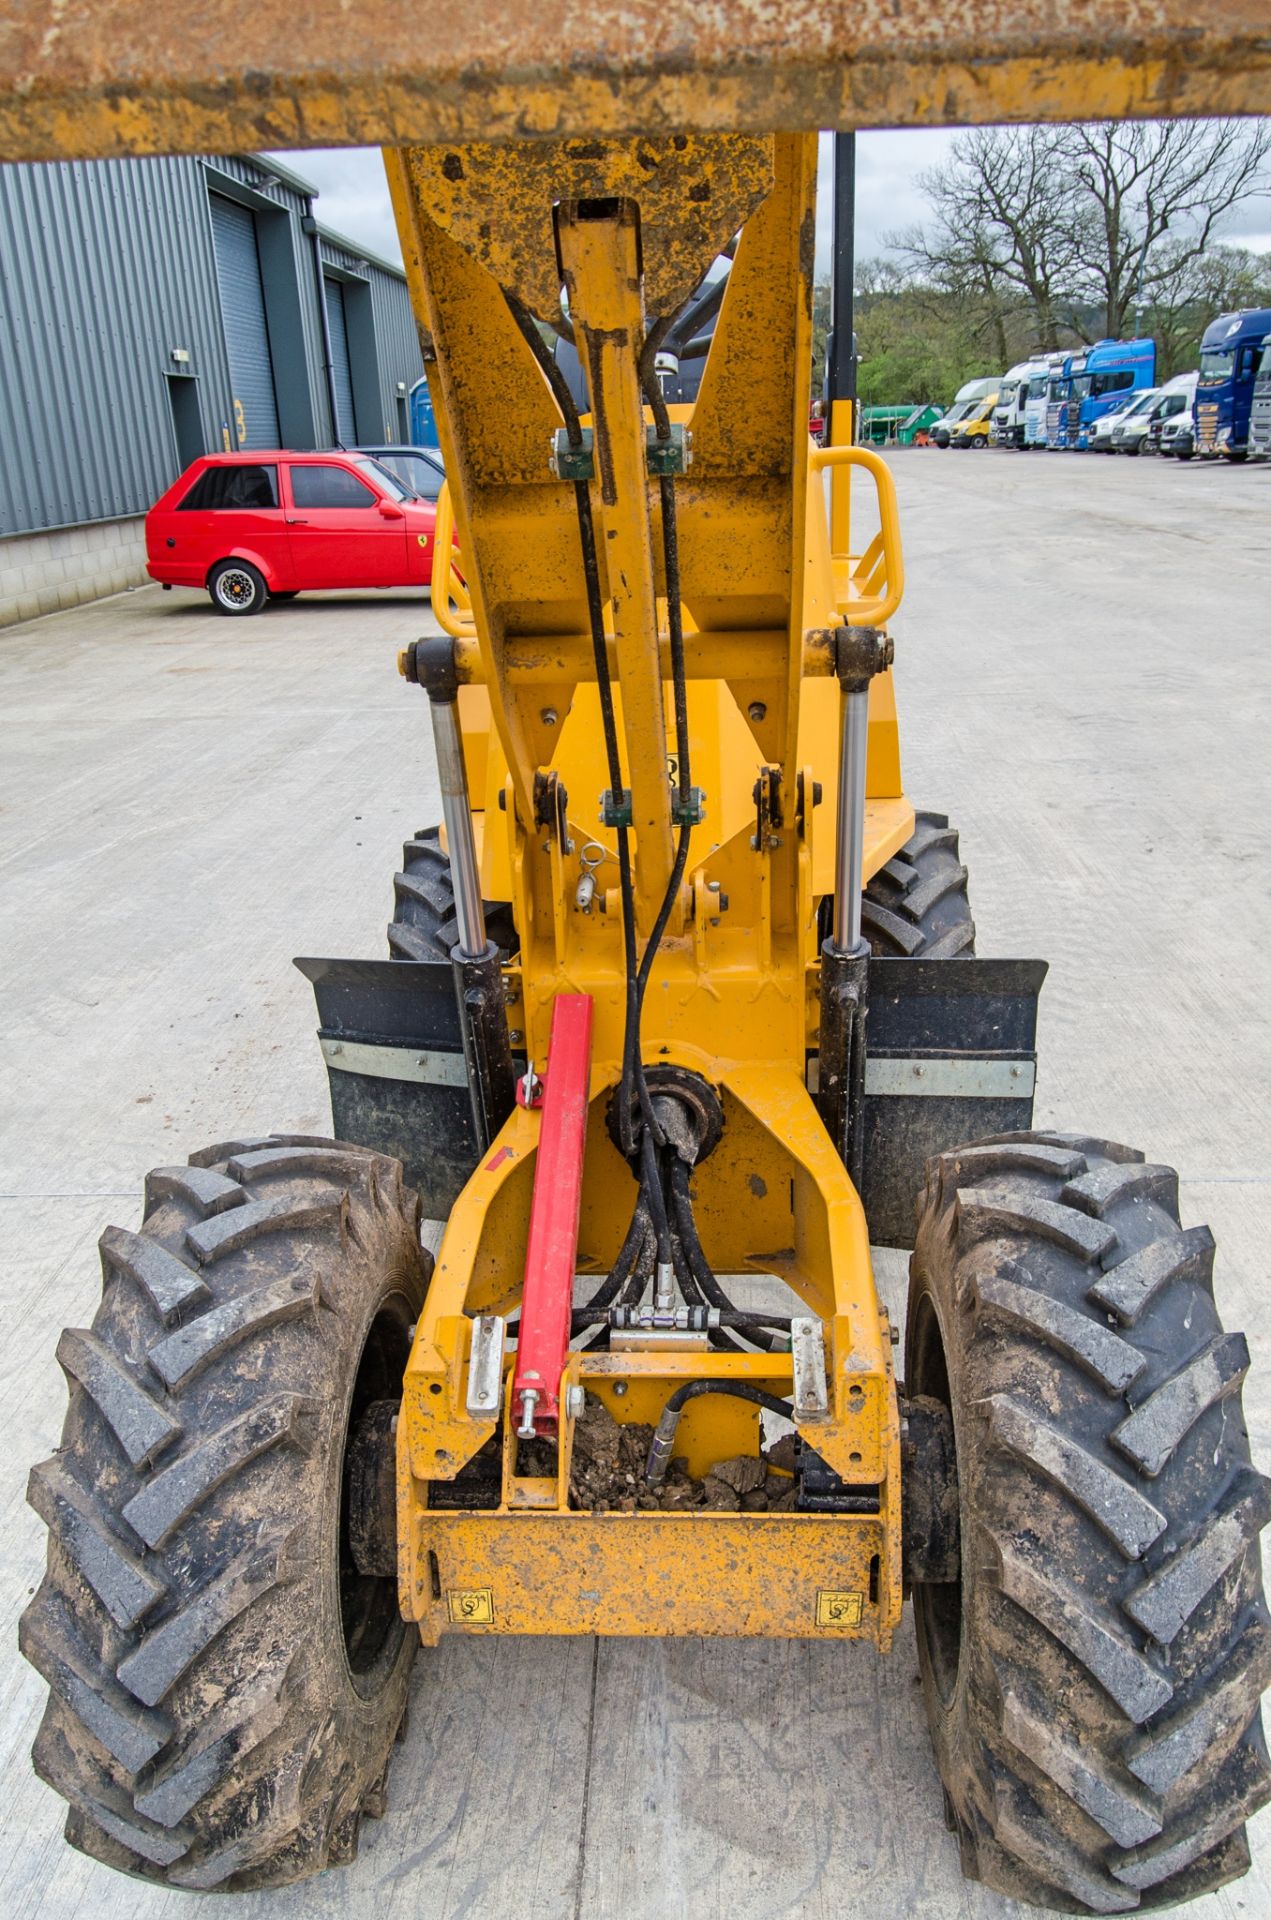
{"points": [[663, 1443]]}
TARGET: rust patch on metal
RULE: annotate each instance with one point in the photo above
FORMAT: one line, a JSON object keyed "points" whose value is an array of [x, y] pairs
{"points": [[98, 77], [693, 192]]}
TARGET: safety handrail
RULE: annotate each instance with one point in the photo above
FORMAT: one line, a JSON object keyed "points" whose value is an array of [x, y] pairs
{"points": [[876, 578], [459, 622]]}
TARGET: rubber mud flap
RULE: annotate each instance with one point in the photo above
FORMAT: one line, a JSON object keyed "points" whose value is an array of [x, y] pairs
{"points": [[391, 1038], [963, 1038]]}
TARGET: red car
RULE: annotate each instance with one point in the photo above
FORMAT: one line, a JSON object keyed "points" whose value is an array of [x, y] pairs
{"points": [[254, 526]]}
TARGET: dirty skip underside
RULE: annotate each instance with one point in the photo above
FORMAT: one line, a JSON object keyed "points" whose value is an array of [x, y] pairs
{"points": [[94, 77]]}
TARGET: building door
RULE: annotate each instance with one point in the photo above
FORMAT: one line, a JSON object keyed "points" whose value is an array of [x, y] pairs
{"points": [[187, 424], [255, 422], [341, 371]]}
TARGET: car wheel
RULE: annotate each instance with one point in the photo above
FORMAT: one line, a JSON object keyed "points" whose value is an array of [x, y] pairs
{"points": [[236, 587]]}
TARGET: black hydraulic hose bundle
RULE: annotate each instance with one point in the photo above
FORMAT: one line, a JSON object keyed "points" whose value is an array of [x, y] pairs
{"points": [[663, 1211]]}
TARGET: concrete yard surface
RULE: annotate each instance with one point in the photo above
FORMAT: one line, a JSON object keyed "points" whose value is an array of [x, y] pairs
{"points": [[190, 801]]}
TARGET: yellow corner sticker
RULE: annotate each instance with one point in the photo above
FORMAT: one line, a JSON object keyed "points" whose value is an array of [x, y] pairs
{"points": [[836, 1609], [474, 1606]]}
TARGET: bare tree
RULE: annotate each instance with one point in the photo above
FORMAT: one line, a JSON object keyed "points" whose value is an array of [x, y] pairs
{"points": [[1004, 223], [1220, 281], [1078, 225], [1145, 202]]}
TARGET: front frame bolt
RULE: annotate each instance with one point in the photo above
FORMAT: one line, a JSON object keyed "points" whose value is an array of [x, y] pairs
{"points": [[575, 1402]]}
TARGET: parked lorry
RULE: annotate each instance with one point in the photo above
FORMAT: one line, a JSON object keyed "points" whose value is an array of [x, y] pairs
{"points": [[1260, 411], [1037, 401], [965, 401], [1230, 353], [1008, 415], [1058, 398], [1101, 380]]}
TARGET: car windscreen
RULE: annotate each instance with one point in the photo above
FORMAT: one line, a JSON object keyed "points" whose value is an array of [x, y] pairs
{"points": [[230, 489], [415, 471], [382, 477], [1216, 363]]}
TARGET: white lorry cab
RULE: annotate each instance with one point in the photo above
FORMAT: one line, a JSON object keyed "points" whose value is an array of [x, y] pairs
{"points": [[1012, 400], [1037, 398]]}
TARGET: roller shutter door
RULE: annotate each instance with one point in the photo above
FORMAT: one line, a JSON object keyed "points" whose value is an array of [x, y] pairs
{"points": [[255, 422], [341, 371]]}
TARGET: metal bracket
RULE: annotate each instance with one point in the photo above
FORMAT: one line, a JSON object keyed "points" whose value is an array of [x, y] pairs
{"points": [[769, 811], [551, 804], [569, 462], [688, 810], [668, 456], [615, 808], [485, 1365], [807, 1350]]}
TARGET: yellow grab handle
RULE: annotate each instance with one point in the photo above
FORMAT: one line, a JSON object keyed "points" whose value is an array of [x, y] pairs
{"points": [[874, 582], [457, 622]]}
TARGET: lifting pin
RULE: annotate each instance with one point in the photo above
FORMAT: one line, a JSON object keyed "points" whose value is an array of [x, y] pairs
{"points": [[529, 1400]]}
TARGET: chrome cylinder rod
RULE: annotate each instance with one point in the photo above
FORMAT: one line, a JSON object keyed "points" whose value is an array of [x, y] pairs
{"points": [[460, 840], [849, 879]]}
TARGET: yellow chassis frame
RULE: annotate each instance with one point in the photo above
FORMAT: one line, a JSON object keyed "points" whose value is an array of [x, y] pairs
{"points": [[734, 993]]}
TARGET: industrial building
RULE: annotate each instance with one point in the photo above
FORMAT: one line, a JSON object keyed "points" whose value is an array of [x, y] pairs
{"points": [[153, 310]]}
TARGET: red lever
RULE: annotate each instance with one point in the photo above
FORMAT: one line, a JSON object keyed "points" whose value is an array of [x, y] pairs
{"points": [[552, 1247]]}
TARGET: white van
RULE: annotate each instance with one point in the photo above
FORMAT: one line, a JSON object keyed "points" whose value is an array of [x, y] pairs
{"points": [[964, 404]]}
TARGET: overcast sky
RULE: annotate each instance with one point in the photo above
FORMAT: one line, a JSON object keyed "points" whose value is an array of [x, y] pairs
{"points": [[354, 196]]}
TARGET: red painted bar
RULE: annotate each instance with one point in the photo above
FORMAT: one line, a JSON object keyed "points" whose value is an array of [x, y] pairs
{"points": [[552, 1247]]}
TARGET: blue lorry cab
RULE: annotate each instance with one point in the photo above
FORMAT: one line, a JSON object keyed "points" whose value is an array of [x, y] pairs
{"points": [[1230, 351], [1102, 379]]}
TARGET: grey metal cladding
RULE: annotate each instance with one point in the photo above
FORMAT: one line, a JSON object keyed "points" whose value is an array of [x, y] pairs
{"points": [[108, 266], [105, 270], [341, 373]]}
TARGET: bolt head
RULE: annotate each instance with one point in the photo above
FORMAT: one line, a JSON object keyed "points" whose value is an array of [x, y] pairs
{"points": [[575, 1401], [758, 711], [548, 716]]}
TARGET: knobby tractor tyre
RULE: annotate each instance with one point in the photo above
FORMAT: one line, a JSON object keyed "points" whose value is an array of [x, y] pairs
{"points": [[917, 905], [1093, 1680], [225, 1686], [423, 926]]}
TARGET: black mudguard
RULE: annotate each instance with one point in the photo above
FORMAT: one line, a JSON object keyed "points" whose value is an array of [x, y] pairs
{"points": [[950, 1058], [392, 1039]]}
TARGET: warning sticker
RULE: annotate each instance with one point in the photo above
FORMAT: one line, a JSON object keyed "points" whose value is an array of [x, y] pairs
{"points": [[474, 1606], [836, 1609]]}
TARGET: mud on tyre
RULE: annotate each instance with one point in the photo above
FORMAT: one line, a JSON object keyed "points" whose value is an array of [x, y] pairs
{"points": [[225, 1686], [1093, 1680]]}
